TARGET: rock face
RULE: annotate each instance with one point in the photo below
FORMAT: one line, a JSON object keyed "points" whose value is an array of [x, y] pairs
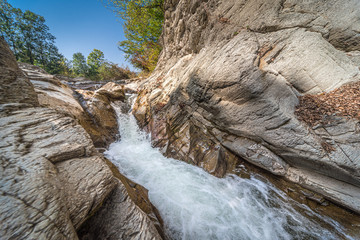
{"points": [[51, 175], [122, 215], [52, 179], [119, 218], [15, 87], [92, 110], [97, 104], [229, 78]]}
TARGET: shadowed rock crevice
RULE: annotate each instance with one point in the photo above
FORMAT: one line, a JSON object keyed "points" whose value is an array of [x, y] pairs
{"points": [[126, 205]]}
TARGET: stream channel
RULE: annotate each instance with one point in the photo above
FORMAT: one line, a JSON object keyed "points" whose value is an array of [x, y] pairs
{"points": [[197, 205]]}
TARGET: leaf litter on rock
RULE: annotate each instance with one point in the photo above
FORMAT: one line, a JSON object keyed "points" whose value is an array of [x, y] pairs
{"points": [[343, 101], [315, 109]]}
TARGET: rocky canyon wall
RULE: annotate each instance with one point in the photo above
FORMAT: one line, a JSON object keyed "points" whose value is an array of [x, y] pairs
{"points": [[52, 178], [230, 77]]}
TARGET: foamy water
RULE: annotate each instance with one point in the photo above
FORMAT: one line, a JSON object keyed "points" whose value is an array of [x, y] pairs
{"points": [[196, 205]]}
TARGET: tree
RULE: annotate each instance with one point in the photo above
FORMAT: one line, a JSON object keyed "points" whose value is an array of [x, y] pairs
{"points": [[8, 24], [79, 64], [111, 71], [29, 38], [65, 67], [94, 61], [95, 58], [142, 27]]}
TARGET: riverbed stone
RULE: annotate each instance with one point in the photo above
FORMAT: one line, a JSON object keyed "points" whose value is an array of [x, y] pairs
{"points": [[126, 214], [113, 91]]}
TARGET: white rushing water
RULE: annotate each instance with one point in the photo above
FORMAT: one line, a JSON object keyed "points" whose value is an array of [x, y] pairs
{"points": [[196, 205]]}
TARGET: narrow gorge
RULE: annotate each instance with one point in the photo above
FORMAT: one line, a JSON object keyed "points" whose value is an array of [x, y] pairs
{"points": [[248, 128]]}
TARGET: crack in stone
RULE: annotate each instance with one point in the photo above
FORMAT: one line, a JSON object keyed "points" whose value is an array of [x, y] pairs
{"points": [[32, 207]]}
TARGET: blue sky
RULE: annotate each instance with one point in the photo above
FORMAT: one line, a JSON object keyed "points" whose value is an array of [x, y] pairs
{"points": [[80, 26]]}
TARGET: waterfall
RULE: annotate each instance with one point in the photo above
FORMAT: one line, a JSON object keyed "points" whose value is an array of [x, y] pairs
{"points": [[196, 205]]}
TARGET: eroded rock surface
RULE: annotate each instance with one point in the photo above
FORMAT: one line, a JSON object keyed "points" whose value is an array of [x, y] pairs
{"points": [[122, 215], [52, 178], [119, 218], [15, 87], [91, 109], [229, 78], [43, 155], [97, 105]]}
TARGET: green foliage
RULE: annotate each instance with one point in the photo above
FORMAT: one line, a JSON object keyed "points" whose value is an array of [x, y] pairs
{"points": [[111, 71], [142, 27], [66, 67], [97, 68], [94, 61], [29, 38], [8, 24], [79, 65], [95, 58]]}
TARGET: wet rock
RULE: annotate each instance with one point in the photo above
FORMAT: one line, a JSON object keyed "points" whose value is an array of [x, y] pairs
{"points": [[236, 72], [112, 91], [98, 106], [180, 136], [127, 213]]}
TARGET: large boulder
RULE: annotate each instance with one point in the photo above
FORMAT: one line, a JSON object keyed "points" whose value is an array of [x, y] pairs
{"points": [[122, 214], [229, 79], [113, 91], [97, 105]]}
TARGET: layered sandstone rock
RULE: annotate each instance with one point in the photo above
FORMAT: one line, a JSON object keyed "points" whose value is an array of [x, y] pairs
{"points": [[229, 78], [52, 176], [15, 87], [52, 179], [122, 214], [92, 110]]}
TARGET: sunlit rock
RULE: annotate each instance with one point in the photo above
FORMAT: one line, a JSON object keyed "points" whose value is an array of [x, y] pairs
{"points": [[233, 71]]}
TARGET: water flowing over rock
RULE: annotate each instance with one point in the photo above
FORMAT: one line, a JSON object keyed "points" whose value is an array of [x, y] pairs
{"points": [[197, 205], [228, 81], [52, 178]]}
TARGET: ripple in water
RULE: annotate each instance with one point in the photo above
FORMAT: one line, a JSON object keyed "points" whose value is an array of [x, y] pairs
{"points": [[197, 205]]}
